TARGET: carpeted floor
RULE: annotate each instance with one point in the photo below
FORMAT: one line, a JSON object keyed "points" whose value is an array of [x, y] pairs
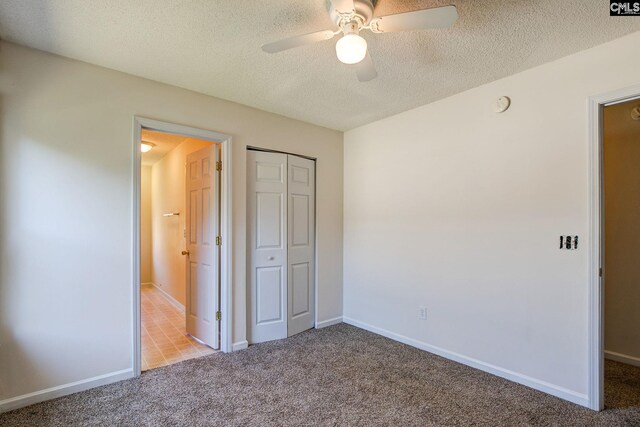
{"points": [[337, 376]]}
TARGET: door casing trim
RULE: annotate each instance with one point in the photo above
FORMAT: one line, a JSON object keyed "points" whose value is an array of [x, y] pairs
{"points": [[596, 105], [226, 220]]}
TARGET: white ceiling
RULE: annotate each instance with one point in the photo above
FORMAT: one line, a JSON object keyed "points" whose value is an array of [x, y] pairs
{"points": [[213, 47]]}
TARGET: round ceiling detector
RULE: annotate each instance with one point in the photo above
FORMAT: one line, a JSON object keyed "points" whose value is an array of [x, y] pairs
{"points": [[502, 104], [351, 48]]}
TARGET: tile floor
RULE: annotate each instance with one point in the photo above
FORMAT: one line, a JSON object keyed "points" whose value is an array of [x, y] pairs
{"points": [[164, 337]]}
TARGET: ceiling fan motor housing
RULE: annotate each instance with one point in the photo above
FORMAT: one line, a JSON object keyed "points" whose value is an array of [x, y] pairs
{"points": [[363, 12], [351, 27]]}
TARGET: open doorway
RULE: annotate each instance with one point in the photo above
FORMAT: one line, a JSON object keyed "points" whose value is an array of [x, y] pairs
{"points": [[223, 317], [602, 278], [179, 247], [621, 237]]}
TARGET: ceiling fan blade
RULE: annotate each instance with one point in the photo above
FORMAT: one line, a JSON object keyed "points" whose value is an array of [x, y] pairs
{"points": [[296, 41], [343, 6], [365, 69], [439, 17]]}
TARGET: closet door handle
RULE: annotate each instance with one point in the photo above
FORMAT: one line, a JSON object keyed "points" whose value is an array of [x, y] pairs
{"points": [[270, 258]]}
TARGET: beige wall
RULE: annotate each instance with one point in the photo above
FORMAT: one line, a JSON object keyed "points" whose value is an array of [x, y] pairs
{"points": [[168, 195], [145, 224], [66, 154], [622, 230], [459, 209]]}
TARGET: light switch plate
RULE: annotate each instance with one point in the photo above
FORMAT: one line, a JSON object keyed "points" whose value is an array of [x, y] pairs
{"points": [[569, 242]]}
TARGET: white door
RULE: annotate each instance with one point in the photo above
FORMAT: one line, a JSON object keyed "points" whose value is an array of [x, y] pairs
{"points": [[301, 231], [267, 245], [202, 250], [281, 242]]}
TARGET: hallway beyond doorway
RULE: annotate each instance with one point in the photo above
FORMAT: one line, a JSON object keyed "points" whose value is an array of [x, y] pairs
{"points": [[164, 337]]}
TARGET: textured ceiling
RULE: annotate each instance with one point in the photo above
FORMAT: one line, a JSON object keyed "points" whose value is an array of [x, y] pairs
{"points": [[213, 47]]}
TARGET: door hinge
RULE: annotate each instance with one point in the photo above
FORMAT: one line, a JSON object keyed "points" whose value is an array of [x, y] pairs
{"points": [[600, 271], [218, 240], [219, 166], [218, 315]]}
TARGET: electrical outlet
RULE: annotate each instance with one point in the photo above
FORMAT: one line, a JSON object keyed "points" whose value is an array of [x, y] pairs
{"points": [[422, 312]]}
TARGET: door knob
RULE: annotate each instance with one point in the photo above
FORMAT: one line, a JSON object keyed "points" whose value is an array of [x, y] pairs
{"points": [[270, 258], [185, 252]]}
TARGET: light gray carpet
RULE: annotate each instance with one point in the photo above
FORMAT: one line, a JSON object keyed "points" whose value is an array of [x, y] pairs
{"points": [[337, 376]]}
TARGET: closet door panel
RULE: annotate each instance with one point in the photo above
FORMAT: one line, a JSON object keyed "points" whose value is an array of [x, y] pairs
{"points": [[267, 263], [301, 244]]}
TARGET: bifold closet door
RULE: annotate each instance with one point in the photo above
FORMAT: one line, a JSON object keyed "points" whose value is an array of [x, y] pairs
{"points": [[267, 239], [281, 239], [301, 244]]}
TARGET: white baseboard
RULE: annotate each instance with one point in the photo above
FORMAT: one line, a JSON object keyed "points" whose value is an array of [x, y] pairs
{"points": [[328, 322], [623, 358], [174, 302], [561, 392], [240, 345], [63, 390]]}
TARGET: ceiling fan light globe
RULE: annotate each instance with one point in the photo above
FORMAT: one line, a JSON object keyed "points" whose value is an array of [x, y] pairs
{"points": [[351, 49]]}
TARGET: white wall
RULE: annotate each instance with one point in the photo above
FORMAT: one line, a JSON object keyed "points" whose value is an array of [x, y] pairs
{"points": [[460, 209], [168, 195], [145, 225], [622, 232], [66, 132]]}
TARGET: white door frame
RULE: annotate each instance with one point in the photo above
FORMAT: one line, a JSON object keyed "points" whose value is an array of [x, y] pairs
{"points": [[226, 270], [596, 249]]}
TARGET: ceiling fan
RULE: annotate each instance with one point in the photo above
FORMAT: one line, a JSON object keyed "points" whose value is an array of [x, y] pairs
{"points": [[353, 16]]}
